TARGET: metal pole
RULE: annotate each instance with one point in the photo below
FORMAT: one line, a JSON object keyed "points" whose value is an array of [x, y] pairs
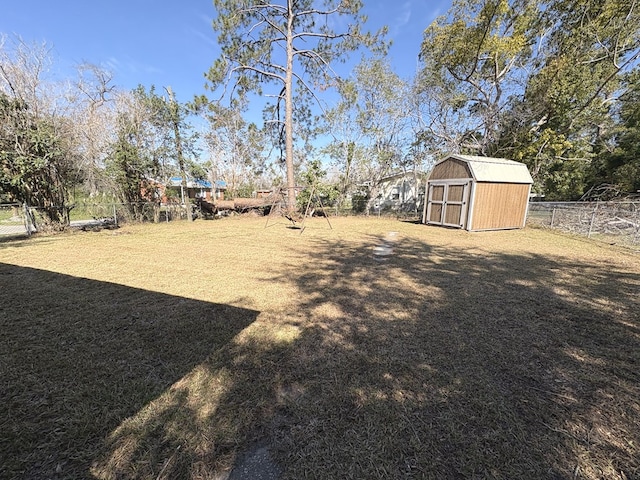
{"points": [[593, 216], [27, 223], [553, 216]]}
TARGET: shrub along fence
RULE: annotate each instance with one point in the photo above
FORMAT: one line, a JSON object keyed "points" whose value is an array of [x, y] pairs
{"points": [[610, 221]]}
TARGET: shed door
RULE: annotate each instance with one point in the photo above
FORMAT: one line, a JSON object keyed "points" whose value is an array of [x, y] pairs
{"points": [[447, 204]]}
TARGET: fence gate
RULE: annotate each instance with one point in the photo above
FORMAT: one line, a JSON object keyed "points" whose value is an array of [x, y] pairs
{"points": [[447, 204], [15, 220]]}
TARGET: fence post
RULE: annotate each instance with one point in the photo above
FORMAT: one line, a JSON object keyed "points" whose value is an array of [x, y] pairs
{"points": [[553, 216], [593, 216], [27, 222]]}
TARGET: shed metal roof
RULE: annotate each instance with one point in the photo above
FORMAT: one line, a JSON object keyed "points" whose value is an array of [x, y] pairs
{"points": [[488, 169]]}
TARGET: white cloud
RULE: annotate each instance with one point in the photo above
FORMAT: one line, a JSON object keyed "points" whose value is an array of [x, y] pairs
{"points": [[405, 15], [112, 64], [207, 39], [205, 19], [130, 66]]}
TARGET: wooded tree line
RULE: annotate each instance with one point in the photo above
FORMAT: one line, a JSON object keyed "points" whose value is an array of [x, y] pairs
{"points": [[65, 140], [551, 83]]}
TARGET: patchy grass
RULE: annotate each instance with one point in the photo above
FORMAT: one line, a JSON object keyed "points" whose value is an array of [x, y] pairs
{"points": [[165, 351]]}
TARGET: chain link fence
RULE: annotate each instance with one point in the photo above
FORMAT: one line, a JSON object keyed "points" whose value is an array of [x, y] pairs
{"points": [[617, 222], [14, 220], [20, 220]]}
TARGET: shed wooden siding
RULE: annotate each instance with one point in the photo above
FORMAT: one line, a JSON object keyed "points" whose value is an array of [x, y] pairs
{"points": [[477, 193], [499, 205], [435, 213], [438, 193], [453, 168], [453, 213]]}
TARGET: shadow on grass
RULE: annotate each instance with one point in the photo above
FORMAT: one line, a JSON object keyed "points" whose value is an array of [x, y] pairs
{"points": [[17, 240], [82, 362], [433, 363], [441, 363]]}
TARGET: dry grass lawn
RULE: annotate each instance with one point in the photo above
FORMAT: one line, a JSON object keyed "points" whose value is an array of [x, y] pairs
{"points": [[166, 351]]}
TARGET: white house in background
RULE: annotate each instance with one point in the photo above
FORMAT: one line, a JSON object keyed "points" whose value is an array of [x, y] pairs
{"points": [[402, 191]]}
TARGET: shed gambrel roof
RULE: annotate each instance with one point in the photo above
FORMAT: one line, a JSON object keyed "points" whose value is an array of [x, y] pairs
{"points": [[487, 169]]}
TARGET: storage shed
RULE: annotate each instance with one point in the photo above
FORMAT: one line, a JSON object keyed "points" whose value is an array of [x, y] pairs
{"points": [[477, 193]]}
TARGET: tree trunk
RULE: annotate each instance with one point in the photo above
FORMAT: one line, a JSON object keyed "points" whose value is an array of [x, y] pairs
{"points": [[175, 119], [185, 190], [288, 115]]}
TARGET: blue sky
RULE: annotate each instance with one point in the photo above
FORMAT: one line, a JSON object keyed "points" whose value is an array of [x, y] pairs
{"points": [[171, 43]]}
